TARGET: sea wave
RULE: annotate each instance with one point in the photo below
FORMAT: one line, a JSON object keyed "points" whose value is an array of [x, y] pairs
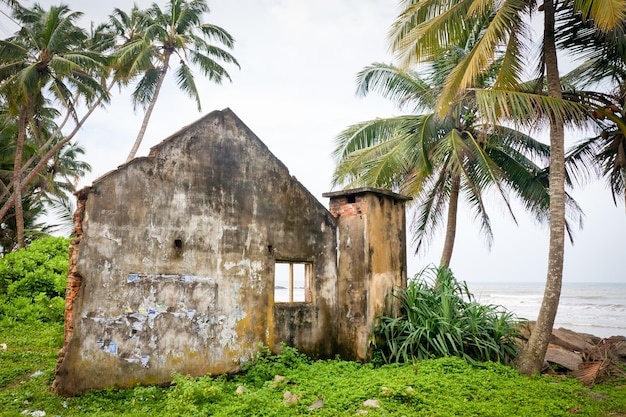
{"points": [[594, 308]]}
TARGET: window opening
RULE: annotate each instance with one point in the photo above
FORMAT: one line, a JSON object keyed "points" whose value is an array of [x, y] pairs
{"points": [[292, 282]]}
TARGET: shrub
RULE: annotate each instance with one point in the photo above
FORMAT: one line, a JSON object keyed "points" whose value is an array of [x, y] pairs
{"points": [[266, 365], [33, 281], [439, 317]]}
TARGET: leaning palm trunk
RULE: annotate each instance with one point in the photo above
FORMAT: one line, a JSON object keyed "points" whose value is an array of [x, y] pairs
{"points": [[448, 245], [532, 356], [17, 178], [146, 118], [7, 190]]}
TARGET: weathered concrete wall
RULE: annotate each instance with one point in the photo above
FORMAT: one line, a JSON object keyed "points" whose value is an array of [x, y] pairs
{"points": [[371, 226], [176, 262]]}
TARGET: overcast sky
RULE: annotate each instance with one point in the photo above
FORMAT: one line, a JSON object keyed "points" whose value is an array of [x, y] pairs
{"points": [[295, 91]]}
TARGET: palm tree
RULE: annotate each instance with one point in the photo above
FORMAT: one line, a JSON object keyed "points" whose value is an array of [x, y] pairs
{"points": [[132, 55], [531, 358], [176, 31], [50, 191], [44, 62], [54, 186], [436, 160], [422, 32]]}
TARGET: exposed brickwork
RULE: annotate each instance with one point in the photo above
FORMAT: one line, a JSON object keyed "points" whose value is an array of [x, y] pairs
{"points": [[73, 277], [344, 206]]}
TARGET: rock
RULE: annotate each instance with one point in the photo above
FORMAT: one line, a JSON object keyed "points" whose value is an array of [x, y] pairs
{"points": [[317, 404], [3, 346], [386, 391], [589, 338], [410, 390], [290, 398], [563, 357], [278, 380], [371, 403], [598, 396], [570, 340], [239, 390], [361, 412]]}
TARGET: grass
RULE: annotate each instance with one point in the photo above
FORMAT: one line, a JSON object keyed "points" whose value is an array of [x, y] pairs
{"points": [[434, 387]]}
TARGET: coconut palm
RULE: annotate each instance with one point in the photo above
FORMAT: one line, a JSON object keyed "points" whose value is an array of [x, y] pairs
{"points": [[43, 62], [54, 186], [437, 160], [531, 358], [101, 41], [177, 31], [132, 55], [50, 191], [425, 28]]}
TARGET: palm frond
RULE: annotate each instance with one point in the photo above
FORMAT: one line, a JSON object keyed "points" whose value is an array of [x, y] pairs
{"points": [[210, 67], [605, 14], [144, 91], [528, 109], [366, 134], [423, 26], [430, 207], [397, 85], [185, 81], [213, 32]]}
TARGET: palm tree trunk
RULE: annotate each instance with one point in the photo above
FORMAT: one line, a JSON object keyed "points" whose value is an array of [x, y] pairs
{"points": [[532, 356], [453, 208], [51, 152], [17, 178], [146, 117]]}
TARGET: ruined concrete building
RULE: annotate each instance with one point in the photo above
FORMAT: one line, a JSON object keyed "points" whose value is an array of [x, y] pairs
{"points": [[176, 258]]}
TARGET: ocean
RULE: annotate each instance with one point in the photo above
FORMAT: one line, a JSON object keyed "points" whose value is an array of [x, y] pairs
{"points": [[595, 308]]}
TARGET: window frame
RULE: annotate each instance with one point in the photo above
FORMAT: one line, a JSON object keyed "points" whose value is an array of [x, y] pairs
{"points": [[308, 279]]}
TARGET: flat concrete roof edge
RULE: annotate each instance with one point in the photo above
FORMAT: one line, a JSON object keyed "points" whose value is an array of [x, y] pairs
{"points": [[366, 190]]}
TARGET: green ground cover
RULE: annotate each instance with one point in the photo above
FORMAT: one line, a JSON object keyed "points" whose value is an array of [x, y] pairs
{"points": [[435, 387]]}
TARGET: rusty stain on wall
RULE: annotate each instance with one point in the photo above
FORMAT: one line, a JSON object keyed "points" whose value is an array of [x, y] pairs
{"points": [[173, 259]]}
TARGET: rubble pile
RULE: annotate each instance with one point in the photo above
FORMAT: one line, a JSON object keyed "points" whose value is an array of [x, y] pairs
{"points": [[585, 356]]}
